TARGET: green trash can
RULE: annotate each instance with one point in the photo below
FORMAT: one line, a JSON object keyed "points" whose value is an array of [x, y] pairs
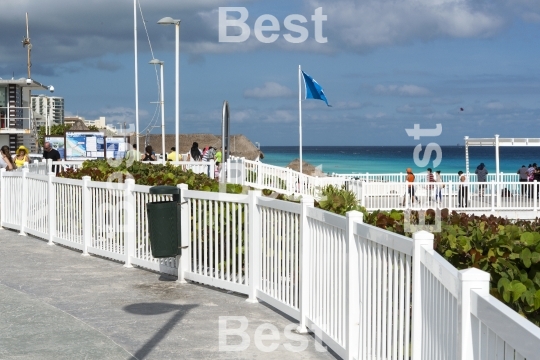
{"points": [[164, 223]]}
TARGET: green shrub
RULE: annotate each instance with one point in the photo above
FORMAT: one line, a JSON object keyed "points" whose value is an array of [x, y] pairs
{"points": [[147, 174]]}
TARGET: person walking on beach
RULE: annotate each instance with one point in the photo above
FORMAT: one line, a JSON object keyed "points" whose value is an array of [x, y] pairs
{"points": [[481, 175], [410, 187], [463, 192], [523, 178]]}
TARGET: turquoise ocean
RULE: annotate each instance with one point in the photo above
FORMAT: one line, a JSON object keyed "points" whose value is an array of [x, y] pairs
{"points": [[395, 159]]}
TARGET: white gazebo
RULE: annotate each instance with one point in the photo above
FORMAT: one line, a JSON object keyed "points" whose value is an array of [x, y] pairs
{"points": [[496, 142]]}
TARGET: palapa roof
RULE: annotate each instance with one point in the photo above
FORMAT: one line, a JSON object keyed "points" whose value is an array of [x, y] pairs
{"points": [[78, 125], [307, 168], [240, 145]]}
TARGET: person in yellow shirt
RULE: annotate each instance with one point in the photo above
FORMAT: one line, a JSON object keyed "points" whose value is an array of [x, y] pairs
{"points": [[172, 155], [22, 156], [217, 157]]}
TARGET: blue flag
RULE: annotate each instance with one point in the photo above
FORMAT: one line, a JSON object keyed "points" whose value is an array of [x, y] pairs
{"points": [[313, 89]]}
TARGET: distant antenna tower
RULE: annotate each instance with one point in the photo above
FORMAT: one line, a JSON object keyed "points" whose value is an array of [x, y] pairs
{"points": [[26, 43]]}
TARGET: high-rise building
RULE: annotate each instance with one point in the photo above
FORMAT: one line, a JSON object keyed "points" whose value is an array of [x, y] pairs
{"points": [[17, 119], [48, 109]]}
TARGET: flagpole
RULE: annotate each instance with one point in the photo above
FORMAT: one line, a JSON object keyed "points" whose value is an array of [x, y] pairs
{"points": [[136, 76], [300, 111]]}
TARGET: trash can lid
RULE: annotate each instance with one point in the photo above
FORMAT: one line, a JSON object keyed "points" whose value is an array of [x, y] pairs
{"points": [[164, 190]]}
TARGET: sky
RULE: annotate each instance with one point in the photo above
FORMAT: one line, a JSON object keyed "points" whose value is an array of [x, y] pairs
{"points": [[384, 65]]}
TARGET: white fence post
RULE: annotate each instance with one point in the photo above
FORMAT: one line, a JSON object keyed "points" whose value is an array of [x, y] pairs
{"points": [[535, 196], [498, 191], [254, 246], [51, 201], [129, 221], [183, 262], [363, 194], [469, 279], [242, 170], [86, 206], [306, 201], [421, 239], [228, 170], [352, 286], [259, 175], [450, 195], [2, 195], [24, 201], [493, 191]]}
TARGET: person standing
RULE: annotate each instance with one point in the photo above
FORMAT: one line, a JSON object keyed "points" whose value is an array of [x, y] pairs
{"points": [[523, 178], [218, 156], [463, 192], [132, 155], [481, 176], [430, 187], [50, 153], [438, 179], [410, 187], [53, 154], [194, 152]]}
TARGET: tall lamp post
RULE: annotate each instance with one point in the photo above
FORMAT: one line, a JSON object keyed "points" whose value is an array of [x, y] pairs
{"points": [[162, 102], [171, 21]]}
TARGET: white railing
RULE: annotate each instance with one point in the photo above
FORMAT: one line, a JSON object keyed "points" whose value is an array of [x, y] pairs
{"points": [[467, 197], [422, 177], [217, 227], [18, 120], [384, 292], [45, 166], [366, 292]]}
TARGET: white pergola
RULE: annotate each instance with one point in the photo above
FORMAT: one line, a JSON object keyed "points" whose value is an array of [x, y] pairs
{"points": [[497, 142]]}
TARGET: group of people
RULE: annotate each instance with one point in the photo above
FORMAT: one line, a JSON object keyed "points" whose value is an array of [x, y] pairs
{"points": [[529, 174], [435, 191], [22, 156], [432, 189], [207, 154], [195, 154]]}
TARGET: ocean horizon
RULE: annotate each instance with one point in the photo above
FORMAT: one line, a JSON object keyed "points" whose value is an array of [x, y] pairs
{"points": [[395, 159]]}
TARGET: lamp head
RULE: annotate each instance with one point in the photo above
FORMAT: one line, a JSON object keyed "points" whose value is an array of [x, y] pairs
{"points": [[51, 88], [28, 81], [168, 21], [156, 62]]}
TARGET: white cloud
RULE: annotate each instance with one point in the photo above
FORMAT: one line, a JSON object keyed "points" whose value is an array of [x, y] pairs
{"points": [[360, 25], [269, 90], [403, 90]]}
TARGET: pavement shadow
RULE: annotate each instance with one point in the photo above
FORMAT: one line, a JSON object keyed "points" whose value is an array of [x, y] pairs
{"points": [[149, 309]]}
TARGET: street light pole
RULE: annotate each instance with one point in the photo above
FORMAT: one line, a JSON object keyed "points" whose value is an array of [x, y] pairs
{"points": [[171, 21], [162, 101]]}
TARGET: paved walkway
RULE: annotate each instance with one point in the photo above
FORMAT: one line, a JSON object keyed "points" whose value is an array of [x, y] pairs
{"points": [[57, 304]]}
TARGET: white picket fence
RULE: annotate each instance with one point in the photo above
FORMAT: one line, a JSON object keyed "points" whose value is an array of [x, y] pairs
{"points": [[422, 177], [366, 292]]}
